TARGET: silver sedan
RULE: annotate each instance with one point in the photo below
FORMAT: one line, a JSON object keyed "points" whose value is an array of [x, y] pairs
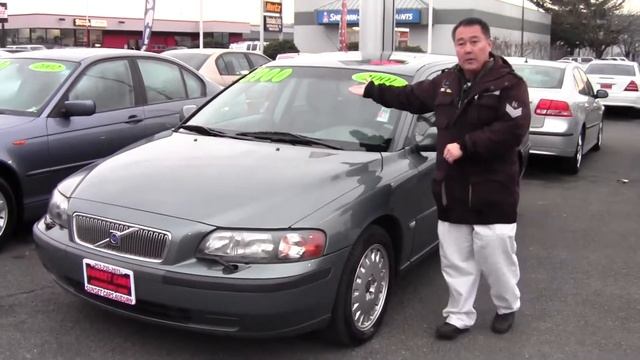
{"points": [[566, 115]]}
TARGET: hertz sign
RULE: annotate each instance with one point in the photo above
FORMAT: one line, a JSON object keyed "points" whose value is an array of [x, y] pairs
{"points": [[273, 7]]}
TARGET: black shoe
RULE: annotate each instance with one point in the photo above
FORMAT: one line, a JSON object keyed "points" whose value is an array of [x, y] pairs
{"points": [[448, 331], [502, 323]]}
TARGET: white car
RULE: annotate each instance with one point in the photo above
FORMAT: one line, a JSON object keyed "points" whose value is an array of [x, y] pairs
{"points": [[619, 78], [615, 58], [222, 66], [27, 47], [4, 53]]}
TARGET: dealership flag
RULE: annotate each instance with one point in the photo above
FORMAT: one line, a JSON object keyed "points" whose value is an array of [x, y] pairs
{"points": [[148, 23], [343, 27]]}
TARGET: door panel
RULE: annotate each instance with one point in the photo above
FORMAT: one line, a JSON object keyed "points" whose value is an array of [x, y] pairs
{"points": [[79, 140]]}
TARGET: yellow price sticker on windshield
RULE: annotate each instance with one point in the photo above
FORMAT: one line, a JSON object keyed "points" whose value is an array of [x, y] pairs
{"points": [[47, 67], [379, 79], [4, 64], [273, 75]]}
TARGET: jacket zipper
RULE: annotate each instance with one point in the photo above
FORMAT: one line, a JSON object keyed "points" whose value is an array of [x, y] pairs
{"points": [[444, 194], [470, 192]]}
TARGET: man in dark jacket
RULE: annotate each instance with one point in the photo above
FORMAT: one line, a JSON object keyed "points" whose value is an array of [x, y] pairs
{"points": [[482, 115]]}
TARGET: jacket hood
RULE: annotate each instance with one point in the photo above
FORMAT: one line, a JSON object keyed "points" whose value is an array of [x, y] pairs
{"points": [[227, 182]]}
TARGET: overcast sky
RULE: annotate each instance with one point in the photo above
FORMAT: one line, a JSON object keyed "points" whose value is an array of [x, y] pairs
{"points": [[221, 10]]}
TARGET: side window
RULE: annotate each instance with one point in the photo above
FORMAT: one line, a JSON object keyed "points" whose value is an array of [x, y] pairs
{"points": [[108, 84], [236, 63], [195, 88], [257, 60], [580, 85], [162, 81], [222, 67], [587, 83]]}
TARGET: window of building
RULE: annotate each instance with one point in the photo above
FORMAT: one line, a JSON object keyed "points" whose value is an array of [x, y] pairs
{"points": [[38, 36], [23, 37]]}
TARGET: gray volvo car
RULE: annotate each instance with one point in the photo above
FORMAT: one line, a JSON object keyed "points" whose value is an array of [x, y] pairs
{"points": [[61, 110], [284, 205]]}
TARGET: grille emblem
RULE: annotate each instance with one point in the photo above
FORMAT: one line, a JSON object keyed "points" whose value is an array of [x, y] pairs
{"points": [[115, 237]]}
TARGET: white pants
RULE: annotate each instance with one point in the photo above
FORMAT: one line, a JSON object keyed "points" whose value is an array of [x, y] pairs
{"points": [[466, 252]]}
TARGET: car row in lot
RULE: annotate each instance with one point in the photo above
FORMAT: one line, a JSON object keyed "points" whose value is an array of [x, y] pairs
{"points": [[61, 110], [283, 205]]}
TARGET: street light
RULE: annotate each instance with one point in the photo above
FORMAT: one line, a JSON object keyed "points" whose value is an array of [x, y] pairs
{"points": [[522, 31]]}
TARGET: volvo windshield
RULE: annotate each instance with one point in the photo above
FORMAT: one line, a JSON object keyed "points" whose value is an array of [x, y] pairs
{"points": [[287, 103]]}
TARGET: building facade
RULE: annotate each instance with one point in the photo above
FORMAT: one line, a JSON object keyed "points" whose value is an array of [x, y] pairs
{"points": [[71, 24], [316, 25]]}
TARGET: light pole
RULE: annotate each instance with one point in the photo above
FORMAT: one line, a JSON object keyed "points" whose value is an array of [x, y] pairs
{"points": [[522, 31]]}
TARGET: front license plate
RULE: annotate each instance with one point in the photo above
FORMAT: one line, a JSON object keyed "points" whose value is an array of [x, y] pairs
{"points": [[109, 281]]}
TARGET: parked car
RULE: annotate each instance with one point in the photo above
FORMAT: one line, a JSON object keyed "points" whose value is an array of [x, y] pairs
{"points": [[566, 113], [13, 51], [27, 47], [619, 79], [254, 46], [582, 60], [61, 110], [222, 66], [615, 58], [4, 53], [284, 205]]}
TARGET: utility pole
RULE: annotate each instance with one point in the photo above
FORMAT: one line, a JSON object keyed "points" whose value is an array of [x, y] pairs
{"points": [[201, 27], [430, 28], [261, 48], [522, 32]]}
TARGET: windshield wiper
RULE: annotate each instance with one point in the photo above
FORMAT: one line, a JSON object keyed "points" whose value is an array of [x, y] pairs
{"points": [[287, 137], [203, 130]]}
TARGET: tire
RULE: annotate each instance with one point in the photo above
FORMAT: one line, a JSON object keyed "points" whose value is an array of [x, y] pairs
{"points": [[369, 271], [598, 145], [8, 212], [572, 164]]}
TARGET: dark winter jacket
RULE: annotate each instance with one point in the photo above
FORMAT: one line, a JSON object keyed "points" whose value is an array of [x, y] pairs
{"points": [[489, 121]]}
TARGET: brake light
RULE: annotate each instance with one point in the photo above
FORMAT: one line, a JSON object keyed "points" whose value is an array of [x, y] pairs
{"points": [[547, 107], [632, 86]]}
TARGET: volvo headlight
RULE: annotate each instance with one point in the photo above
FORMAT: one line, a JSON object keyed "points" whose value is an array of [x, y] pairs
{"points": [[263, 246], [57, 211]]}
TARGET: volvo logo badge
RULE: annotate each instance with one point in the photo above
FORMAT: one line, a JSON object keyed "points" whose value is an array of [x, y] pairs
{"points": [[115, 237]]}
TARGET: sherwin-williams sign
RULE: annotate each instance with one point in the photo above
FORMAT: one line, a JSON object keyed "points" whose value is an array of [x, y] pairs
{"points": [[403, 16]]}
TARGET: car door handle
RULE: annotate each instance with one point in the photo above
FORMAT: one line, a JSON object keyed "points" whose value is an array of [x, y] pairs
{"points": [[133, 119]]}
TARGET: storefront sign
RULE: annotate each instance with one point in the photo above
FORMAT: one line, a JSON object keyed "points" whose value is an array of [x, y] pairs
{"points": [[403, 16], [273, 7], [273, 23], [82, 22], [4, 16]]}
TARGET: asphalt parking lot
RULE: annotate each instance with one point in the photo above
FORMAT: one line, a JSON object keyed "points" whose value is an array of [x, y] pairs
{"points": [[578, 245]]}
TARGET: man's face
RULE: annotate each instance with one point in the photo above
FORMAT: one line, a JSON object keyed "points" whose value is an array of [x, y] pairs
{"points": [[472, 49]]}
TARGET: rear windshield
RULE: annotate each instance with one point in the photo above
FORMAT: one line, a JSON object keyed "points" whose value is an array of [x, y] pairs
{"points": [[611, 69], [28, 84], [544, 77], [194, 60], [314, 102]]}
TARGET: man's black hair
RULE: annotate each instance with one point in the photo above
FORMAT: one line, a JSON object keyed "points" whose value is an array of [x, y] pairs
{"points": [[472, 21]]}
